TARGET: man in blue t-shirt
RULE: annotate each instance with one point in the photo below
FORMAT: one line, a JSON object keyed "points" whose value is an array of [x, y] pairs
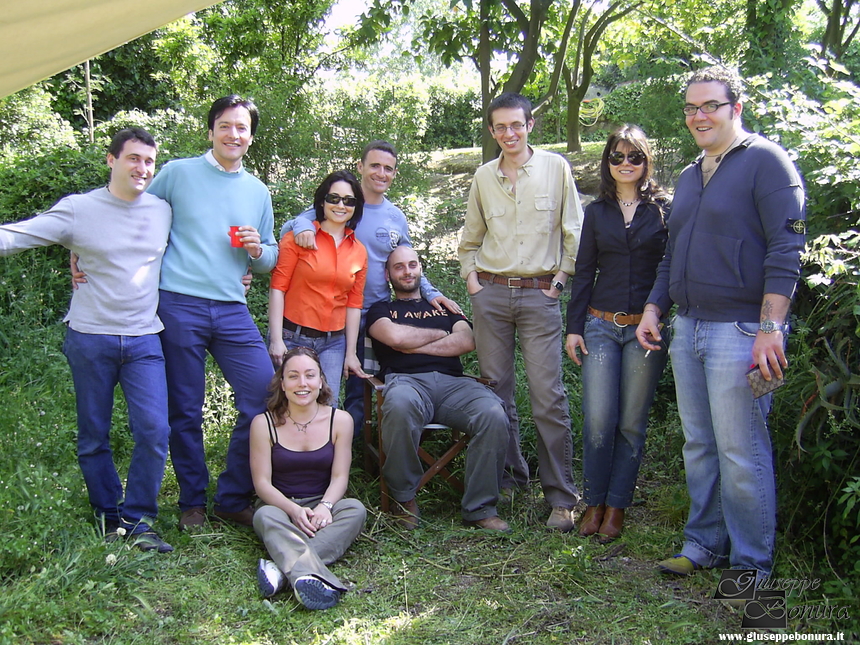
{"points": [[419, 349]]}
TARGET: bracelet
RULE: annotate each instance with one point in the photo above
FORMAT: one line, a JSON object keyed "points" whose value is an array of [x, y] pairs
{"points": [[328, 505]]}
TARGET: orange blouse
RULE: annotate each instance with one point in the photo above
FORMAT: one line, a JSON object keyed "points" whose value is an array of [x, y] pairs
{"points": [[319, 284]]}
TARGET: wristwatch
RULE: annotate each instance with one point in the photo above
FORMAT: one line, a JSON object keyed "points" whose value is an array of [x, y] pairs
{"points": [[328, 505], [558, 284], [769, 326]]}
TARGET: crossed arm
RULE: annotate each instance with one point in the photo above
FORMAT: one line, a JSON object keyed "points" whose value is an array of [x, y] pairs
{"points": [[415, 340]]}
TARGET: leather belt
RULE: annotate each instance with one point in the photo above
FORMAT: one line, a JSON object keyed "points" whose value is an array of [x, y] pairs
{"points": [[620, 318], [310, 332], [541, 282]]}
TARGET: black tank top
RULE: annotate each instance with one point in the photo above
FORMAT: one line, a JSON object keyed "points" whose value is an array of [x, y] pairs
{"points": [[301, 473]]}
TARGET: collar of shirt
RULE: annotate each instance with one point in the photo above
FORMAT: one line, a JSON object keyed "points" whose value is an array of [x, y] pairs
{"points": [[210, 157], [526, 167]]}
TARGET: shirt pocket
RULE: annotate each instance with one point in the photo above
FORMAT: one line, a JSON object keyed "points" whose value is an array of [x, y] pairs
{"points": [[722, 268], [545, 209]]}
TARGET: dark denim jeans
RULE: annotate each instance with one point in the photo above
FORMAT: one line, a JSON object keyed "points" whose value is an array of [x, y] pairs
{"points": [[618, 385], [193, 326], [98, 362]]}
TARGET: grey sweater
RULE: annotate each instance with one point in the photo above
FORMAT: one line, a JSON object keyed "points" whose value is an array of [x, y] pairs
{"points": [[120, 245]]}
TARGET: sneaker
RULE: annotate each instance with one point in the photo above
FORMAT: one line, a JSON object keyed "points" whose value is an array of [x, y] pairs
{"points": [[313, 593], [150, 541], [560, 519], [192, 519], [270, 579], [679, 565]]}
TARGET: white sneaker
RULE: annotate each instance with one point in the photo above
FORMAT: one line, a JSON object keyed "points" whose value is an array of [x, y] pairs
{"points": [[270, 579]]}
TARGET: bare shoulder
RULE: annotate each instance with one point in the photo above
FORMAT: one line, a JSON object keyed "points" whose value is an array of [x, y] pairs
{"points": [[343, 425]]}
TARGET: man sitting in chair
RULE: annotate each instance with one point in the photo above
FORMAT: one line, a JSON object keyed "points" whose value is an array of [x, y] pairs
{"points": [[419, 349]]}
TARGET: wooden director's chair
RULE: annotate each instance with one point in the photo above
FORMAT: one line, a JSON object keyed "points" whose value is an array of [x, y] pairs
{"points": [[374, 454]]}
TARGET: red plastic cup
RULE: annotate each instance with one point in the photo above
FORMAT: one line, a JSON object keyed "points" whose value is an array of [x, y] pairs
{"points": [[235, 240]]}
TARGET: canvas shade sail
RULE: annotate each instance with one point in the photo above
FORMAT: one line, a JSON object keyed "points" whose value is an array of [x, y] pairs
{"points": [[40, 38]]}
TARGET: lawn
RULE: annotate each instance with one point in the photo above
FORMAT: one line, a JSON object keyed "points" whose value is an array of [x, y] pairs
{"points": [[441, 584]]}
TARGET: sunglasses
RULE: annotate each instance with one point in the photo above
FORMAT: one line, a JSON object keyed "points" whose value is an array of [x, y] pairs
{"points": [[635, 157], [334, 198]]}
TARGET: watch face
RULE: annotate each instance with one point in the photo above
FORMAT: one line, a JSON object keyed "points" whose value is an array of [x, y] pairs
{"points": [[768, 326]]}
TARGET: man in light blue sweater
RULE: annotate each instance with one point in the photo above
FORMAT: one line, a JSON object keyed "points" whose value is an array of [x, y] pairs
{"points": [[119, 234], [202, 304]]}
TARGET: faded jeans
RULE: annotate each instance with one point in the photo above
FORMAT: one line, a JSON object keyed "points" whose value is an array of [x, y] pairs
{"points": [[618, 385], [727, 452]]}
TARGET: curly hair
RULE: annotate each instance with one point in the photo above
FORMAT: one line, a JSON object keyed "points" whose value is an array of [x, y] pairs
{"points": [[722, 75], [278, 404]]}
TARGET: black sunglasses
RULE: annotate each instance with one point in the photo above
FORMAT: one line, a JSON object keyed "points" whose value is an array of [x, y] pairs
{"points": [[635, 157], [334, 198]]}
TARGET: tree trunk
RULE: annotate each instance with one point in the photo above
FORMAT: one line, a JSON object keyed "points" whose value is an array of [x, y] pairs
{"points": [[489, 150]]}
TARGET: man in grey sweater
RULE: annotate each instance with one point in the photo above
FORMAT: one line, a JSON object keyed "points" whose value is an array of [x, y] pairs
{"points": [[119, 234]]}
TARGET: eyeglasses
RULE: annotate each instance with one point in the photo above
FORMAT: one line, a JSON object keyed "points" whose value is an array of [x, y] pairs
{"points": [[706, 108], [334, 198], [513, 127], [635, 157]]}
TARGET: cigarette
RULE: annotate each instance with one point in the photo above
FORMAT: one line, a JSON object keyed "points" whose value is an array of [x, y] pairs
{"points": [[646, 353]]}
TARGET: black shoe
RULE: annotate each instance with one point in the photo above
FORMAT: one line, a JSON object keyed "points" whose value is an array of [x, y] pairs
{"points": [[150, 541], [313, 593]]}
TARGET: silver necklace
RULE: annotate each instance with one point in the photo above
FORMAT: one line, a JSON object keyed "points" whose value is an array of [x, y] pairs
{"points": [[303, 427], [628, 204]]}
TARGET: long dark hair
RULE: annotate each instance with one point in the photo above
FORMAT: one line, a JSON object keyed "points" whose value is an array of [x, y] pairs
{"points": [[325, 187], [647, 188], [278, 404]]}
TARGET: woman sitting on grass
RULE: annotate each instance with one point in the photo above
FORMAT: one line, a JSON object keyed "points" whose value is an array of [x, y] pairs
{"points": [[301, 450]]}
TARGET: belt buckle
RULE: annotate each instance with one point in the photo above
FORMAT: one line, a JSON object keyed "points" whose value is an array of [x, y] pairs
{"points": [[616, 323], [518, 286]]}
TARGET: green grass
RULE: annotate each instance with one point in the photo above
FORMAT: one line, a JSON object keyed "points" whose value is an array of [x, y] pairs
{"points": [[441, 584]]}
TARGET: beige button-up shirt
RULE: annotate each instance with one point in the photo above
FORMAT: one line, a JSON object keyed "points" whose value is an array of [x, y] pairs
{"points": [[534, 232]]}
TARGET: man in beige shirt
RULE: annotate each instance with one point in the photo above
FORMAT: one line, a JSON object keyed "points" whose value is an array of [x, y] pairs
{"points": [[518, 247]]}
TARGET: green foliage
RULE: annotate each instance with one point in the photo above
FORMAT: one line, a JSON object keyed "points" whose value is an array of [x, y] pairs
{"points": [[817, 118], [30, 126], [453, 120], [655, 106]]}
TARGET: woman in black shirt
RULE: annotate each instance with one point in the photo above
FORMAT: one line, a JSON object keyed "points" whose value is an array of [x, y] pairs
{"points": [[623, 237]]}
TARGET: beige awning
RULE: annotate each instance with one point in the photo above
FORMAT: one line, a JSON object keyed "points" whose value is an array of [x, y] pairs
{"points": [[39, 38]]}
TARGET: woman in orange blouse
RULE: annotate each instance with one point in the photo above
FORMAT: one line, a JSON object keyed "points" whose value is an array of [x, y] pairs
{"points": [[316, 294]]}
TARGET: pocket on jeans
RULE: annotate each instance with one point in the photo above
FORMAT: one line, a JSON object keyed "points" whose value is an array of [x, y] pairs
{"points": [[747, 328]]}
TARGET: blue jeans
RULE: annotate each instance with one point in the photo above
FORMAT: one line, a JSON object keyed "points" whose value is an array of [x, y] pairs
{"points": [[618, 385], [193, 326], [98, 362], [727, 453], [353, 390], [331, 351]]}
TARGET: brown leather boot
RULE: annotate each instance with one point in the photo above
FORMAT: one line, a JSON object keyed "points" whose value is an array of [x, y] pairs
{"points": [[591, 520], [611, 526]]}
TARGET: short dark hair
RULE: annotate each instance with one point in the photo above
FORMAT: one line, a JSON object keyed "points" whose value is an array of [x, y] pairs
{"points": [[510, 100], [722, 75], [379, 144], [325, 187], [647, 188], [278, 404], [234, 100], [129, 134]]}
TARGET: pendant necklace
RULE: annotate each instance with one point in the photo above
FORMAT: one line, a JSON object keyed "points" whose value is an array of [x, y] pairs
{"points": [[718, 158], [303, 427]]}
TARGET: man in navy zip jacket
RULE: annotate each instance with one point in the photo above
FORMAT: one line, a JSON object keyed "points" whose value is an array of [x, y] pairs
{"points": [[731, 266]]}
